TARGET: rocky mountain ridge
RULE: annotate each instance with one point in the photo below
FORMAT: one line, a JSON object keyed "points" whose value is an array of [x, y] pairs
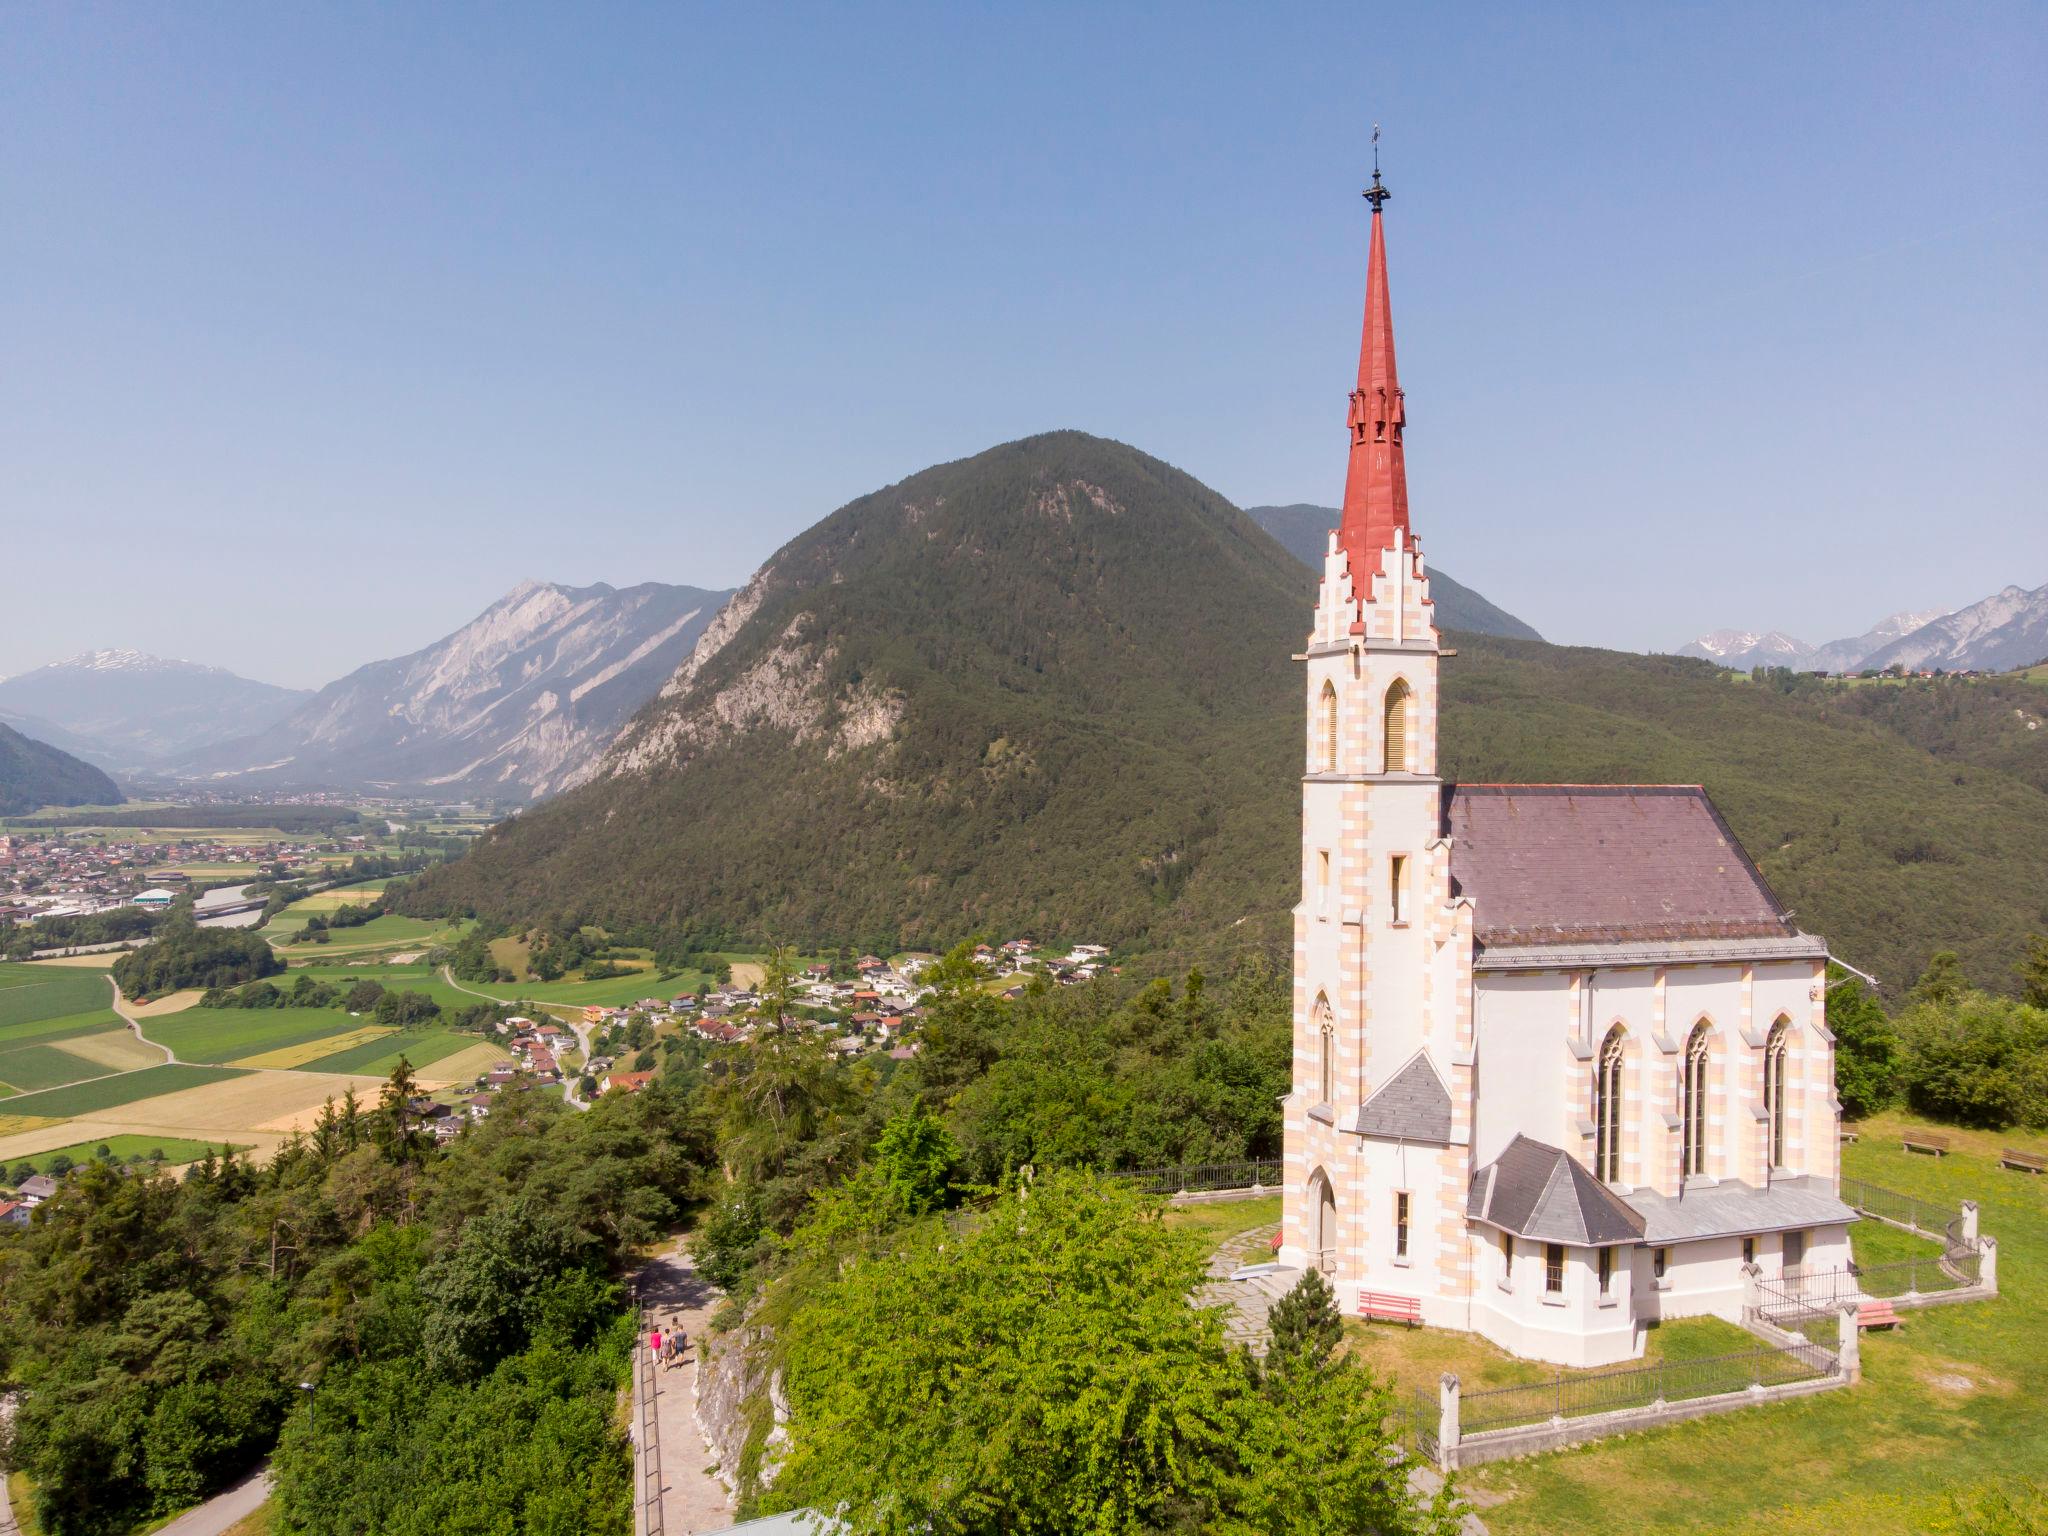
{"points": [[128, 711], [515, 704]]}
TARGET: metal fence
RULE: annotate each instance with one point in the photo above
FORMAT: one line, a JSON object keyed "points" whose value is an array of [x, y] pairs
{"points": [[1582, 1394], [1417, 1415], [1197, 1178], [1930, 1218], [1807, 1291], [644, 1384]]}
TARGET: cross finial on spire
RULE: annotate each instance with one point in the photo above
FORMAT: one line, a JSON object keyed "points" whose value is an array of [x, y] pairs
{"points": [[1376, 194]]}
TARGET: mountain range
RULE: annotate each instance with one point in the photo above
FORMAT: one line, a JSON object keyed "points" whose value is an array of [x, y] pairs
{"points": [[513, 705], [126, 711], [1303, 530], [1048, 690], [2005, 631]]}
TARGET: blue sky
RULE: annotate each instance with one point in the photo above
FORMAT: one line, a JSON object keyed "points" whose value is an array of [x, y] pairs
{"points": [[322, 326]]}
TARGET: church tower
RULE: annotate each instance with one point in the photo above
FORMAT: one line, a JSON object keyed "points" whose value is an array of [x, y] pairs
{"points": [[1375, 1149]]}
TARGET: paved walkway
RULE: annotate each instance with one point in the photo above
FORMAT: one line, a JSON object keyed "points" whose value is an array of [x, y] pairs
{"points": [[1252, 1298], [692, 1497], [221, 1511]]}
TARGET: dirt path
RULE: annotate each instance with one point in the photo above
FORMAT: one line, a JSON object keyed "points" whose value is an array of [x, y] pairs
{"points": [[135, 1024], [692, 1497]]}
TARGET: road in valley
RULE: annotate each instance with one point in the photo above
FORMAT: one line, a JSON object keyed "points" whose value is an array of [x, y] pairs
{"points": [[569, 1015]]}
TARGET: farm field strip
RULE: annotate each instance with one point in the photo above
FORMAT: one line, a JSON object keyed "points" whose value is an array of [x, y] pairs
{"points": [[31, 1068], [115, 1049], [170, 1002], [58, 1028], [29, 991], [222, 1035], [177, 1150], [257, 1109], [377, 1058], [121, 1088], [464, 1066], [23, 1125], [286, 1057]]}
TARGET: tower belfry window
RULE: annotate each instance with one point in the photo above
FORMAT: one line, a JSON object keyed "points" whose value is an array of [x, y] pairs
{"points": [[1395, 758], [1326, 730]]}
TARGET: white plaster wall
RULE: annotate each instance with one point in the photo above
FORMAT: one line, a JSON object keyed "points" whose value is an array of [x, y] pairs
{"points": [[1579, 1328], [1387, 1168], [1523, 1022]]}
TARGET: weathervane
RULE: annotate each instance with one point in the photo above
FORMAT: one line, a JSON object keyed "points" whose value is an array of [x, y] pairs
{"points": [[1376, 194]]}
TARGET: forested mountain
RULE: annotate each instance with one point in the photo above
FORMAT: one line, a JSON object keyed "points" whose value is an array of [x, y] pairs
{"points": [[34, 773], [124, 710], [516, 703], [1303, 529], [1048, 689]]}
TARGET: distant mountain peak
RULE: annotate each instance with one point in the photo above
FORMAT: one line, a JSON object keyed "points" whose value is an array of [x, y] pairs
{"points": [[1744, 648]]}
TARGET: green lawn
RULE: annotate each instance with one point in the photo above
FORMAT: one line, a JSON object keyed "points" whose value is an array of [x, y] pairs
{"points": [[614, 993], [221, 1035], [393, 978], [1224, 1218], [176, 1150], [1950, 1399], [376, 1058], [113, 1092], [389, 932]]}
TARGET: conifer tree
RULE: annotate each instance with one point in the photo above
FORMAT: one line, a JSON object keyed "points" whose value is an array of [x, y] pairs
{"points": [[1943, 981], [1306, 1327], [2033, 972]]}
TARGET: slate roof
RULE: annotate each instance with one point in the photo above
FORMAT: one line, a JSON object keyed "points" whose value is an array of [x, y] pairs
{"points": [[1412, 1105], [1542, 1193], [1603, 863], [1722, 1210]]}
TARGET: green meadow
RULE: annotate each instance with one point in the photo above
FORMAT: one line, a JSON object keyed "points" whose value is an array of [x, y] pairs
{"points": [[377, 1058], [112, 1092], [220, 1035], [176, 1150]]}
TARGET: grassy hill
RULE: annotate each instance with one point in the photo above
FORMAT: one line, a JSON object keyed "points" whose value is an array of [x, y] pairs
{"points": [[1048, 689], [35, 774]]}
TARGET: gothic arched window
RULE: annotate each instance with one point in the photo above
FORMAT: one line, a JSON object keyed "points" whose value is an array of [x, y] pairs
{"points": [[1326, 1051], [1607, 1106], [1775, 1050], [1326, 730], [1395, 759], [1692, 1101]]}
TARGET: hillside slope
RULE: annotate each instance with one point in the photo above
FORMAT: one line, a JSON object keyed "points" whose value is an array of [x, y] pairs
{"points": [[1304, 528], [125, 710], [1048, 689], [517, 703], [34, 774]]}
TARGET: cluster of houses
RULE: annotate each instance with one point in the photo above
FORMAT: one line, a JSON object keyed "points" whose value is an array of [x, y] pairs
{"points": [[60, 874]]}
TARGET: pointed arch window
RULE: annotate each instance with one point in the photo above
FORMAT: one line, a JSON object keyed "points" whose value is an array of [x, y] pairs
{"points": [[1395, 759], [1326, 1052], [1692, 1102], [1326, 729], [1607, 1106], [1776, 1049]]}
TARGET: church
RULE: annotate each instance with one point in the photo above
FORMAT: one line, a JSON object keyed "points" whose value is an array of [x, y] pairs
{"points": [[1561, 1062]]}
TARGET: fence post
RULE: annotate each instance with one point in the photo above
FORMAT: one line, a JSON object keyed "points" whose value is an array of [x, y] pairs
{"points": [[1849, 1345], [1987, 1264], [1970, 1223], [1447, 1422]]}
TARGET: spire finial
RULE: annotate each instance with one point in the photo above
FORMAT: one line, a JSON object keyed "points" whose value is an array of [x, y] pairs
{"points": [[1376, 194]]}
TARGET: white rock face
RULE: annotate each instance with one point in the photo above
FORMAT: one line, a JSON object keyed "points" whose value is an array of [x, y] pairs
{"points": [[519, 702], [1743, 649], [2007, 629]]}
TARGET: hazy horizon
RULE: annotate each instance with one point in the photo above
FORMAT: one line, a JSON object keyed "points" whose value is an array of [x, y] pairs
{"points": [[327, 329]]}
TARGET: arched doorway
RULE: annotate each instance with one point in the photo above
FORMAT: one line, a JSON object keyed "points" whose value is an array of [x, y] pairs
{"points": [[1322, 1235]]}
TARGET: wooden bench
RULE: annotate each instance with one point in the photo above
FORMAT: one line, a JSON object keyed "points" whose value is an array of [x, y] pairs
{"points": [[1878, 1314], [2023, 1162], [1935, 1145], [1379, 1306]]}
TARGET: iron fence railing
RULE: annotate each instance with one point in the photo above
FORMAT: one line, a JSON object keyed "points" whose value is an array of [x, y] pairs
{"points": [[1197, 1178], [648, 1495], [1417, 1414], [1931, 1218], [1582, 1394], [1808, 1291]]}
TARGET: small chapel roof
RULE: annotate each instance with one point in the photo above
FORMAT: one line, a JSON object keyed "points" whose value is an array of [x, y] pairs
{"points": [[1542, 1193], [1603, 864]]}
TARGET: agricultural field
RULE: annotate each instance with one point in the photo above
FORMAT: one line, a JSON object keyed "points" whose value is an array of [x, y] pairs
{"points": [[572, 991], [387, 934], [223, 1035], [412, 977], [57, 1027], [432, 1052], [176, 1150], [113, 1092]]}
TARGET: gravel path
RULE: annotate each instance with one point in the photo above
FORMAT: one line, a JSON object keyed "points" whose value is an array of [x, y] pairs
{"points": [[692, 1497]]}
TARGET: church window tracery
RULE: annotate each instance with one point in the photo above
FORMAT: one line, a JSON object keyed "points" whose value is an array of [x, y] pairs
{"points": [[1776, 1048], [1607, 1106], [1326, 1051], [1692, 1102]]}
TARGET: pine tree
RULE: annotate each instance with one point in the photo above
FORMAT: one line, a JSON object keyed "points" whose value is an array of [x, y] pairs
{"points": [[1942, 982], [1306, 1327]]}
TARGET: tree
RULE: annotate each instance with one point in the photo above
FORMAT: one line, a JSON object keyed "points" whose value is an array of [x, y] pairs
{"points": [[912, 1157], [364, 996], [1306, 1327], [1942, 982], [395, 1112], [1866, 1046], [2033, 972], [21, 1173]]}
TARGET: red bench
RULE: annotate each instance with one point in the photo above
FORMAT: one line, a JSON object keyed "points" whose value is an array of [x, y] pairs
{"points": [[1877, 1314], [1379, 1306]]}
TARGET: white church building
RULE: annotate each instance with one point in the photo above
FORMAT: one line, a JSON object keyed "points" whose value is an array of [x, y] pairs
{"points": [[1561, 1066]]}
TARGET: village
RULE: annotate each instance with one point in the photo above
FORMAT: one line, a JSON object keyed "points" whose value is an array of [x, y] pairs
{"points": [[64, 874]]}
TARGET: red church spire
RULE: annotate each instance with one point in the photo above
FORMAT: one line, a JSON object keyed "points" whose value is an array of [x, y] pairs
{"points": [[1376, 484]]}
